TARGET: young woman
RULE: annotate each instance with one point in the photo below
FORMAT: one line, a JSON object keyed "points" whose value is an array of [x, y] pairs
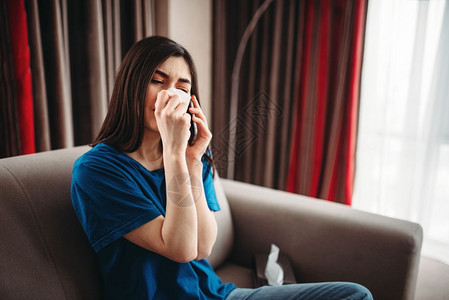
{"points": [[145, 196]]}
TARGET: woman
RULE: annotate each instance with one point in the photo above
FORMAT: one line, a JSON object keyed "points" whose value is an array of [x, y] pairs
{"points": [[145, 196]]}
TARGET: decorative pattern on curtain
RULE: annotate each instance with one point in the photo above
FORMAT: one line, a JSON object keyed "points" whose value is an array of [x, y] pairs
{"points": [[76, 48], [298, 94]]}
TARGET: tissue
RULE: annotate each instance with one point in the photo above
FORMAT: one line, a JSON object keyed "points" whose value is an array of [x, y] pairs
{"points": [[273, 271], [183, 96]]}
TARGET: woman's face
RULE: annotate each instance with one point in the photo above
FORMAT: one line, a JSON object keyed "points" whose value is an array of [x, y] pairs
{"points": [[174, 72]]}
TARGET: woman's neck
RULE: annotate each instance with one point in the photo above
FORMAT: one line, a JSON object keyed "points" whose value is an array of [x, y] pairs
{"points": [[149, 154]]}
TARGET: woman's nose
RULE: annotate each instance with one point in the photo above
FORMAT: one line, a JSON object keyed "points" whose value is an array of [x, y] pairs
{"points": [[170, 86]]}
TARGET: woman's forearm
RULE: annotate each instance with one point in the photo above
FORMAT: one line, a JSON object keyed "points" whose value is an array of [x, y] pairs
{"points": [[207, 228], [180, 229], [207, 225]]}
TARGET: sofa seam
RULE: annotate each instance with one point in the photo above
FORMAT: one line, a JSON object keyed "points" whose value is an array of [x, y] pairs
{"points": [[39, 227]]}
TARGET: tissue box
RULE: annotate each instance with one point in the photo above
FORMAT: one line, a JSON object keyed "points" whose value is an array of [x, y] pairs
{"points": [[260, 262]]}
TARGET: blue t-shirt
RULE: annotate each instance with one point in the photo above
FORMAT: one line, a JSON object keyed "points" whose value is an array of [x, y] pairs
{"points": [[113, 194]]}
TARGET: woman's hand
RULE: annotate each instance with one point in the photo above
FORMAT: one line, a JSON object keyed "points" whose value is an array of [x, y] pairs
{"points": [[173, 122], [195, 152]]}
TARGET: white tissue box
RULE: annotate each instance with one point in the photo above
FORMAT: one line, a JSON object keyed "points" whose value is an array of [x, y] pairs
{"points": [[260, 262]]}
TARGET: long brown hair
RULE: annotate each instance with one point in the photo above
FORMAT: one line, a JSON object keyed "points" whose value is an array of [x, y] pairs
{"points": [[123, 126]]}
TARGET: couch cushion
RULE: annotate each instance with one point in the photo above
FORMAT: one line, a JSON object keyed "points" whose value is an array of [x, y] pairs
{"points": [[242, 277], [44, 253], [225, 236]]}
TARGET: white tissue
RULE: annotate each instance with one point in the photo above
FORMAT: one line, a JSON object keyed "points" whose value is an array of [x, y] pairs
{"points": [[273, 271], [183, 96]]}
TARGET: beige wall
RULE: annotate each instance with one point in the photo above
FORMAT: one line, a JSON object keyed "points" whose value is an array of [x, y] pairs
{"points": [[189, 23]]}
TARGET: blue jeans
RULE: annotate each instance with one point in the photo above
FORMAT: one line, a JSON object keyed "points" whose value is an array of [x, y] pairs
{"points": [[303, 291]]}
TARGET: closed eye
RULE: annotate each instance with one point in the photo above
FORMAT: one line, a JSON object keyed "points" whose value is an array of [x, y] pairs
{"points": [[157, 81]]}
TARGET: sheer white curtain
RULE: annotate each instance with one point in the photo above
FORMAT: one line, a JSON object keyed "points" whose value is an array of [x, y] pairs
{"points": [[402, 165]]}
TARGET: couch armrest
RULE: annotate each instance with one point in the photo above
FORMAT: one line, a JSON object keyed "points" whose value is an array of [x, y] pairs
{"points": [[326, 241]]}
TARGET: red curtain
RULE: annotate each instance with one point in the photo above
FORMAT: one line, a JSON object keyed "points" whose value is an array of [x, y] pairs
{"points": [[21, 57], [71, 51], [322, 157]]}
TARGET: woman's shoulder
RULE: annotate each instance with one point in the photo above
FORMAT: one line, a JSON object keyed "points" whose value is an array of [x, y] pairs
{"points": [[101, 156]]}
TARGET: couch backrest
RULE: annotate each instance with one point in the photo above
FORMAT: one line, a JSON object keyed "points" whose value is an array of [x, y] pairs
{"points": [[43, 250]]}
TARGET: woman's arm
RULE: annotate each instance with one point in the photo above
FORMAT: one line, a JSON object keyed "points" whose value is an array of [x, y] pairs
{"points": [[207, 225], [189, 229], [176, 235]]}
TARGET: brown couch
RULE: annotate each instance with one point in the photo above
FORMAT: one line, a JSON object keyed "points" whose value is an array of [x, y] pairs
{"points": [[44, 253]]}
